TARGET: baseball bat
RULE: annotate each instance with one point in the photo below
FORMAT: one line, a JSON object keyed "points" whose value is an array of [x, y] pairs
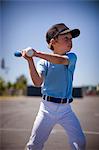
{"points": [[18, 53], [29, 52]]}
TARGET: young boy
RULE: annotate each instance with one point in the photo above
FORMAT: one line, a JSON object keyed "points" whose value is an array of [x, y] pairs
{"points": [[55, 73]]}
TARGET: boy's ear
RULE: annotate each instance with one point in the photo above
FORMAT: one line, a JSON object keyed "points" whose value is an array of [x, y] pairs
{"points": [[52, 41]]}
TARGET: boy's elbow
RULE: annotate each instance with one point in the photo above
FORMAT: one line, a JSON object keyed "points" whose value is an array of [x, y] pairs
{"points": [[64, 61], [37, 84]]}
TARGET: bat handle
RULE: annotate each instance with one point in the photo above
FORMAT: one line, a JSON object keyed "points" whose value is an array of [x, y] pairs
{"points": [[29, 52], [18, 54]]}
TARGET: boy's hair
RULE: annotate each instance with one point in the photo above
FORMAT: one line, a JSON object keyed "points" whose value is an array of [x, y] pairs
{"points": [[59, 29]]}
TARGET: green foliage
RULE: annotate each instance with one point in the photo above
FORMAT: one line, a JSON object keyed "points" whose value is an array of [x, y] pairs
{"points": [[17, 88], [2, 86], [21, 82]]}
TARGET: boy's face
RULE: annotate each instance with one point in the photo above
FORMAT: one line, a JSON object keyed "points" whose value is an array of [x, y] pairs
{"points": [[63, 43]]}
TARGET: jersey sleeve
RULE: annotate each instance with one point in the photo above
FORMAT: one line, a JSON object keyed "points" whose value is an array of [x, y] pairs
{"points": [[72, 58], [42, 67]]}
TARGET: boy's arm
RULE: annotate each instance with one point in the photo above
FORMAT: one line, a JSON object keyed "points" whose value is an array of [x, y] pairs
{"points": [[53, 58], [35, 76]]}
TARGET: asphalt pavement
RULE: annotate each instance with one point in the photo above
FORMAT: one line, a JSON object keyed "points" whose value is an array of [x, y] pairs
{"points": [[17, 115]]}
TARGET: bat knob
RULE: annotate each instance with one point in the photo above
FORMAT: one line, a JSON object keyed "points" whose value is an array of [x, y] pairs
{"points": [[18, 54]]}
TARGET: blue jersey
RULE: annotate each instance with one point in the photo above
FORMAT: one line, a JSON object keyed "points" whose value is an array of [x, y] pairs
{"points": [[58, 78]]}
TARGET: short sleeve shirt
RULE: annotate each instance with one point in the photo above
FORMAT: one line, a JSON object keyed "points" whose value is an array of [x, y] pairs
{"points": [[58, 78]]}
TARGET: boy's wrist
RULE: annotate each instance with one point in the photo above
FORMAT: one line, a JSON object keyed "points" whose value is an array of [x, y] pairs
{"points": [[29, 59], [35, 54]]}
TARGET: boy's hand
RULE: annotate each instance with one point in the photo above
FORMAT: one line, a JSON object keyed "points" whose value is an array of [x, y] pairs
{"points": [[28, 53]]}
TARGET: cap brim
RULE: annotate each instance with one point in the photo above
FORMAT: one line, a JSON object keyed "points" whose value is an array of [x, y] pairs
{"points": [[74, 32]]}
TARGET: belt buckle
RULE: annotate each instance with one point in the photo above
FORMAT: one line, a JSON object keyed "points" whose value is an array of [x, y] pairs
{"points": [[62, 101], [49, 98]]}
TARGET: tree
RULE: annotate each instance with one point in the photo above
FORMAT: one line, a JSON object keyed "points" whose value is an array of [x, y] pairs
{"points": [[21, 85], [2, 86]]}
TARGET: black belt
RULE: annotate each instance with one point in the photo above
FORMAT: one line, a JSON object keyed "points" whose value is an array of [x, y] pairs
{"points": [[57, 100]]}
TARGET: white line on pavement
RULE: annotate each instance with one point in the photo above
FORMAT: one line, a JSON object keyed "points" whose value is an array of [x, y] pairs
{"points": [[13, 129], [86, 132], [91, 132], [54, 131]]}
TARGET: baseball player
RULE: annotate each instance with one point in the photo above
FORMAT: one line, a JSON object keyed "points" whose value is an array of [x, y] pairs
{"points": [[54, 73]]}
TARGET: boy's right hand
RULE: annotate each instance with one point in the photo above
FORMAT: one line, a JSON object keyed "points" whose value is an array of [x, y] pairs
{"points": [[28, 53], [25, 56]]}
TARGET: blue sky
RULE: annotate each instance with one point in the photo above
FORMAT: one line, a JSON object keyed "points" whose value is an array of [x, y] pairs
{"points": [[24, 23]]}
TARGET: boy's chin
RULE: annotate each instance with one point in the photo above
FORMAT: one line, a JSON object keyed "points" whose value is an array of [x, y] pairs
{"points": [[68, 50]]}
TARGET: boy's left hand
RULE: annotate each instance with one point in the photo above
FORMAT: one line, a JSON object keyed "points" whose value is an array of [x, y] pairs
{"points": [[28, 52]]}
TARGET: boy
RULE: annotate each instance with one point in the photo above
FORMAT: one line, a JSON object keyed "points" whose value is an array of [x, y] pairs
{"points": [[55, 73]]}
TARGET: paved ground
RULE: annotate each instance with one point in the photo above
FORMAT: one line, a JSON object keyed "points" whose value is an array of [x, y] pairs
{"points": [[17, 116]]}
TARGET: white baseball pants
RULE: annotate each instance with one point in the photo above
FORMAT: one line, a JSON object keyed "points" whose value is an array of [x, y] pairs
{"points": [[51, 114]]}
